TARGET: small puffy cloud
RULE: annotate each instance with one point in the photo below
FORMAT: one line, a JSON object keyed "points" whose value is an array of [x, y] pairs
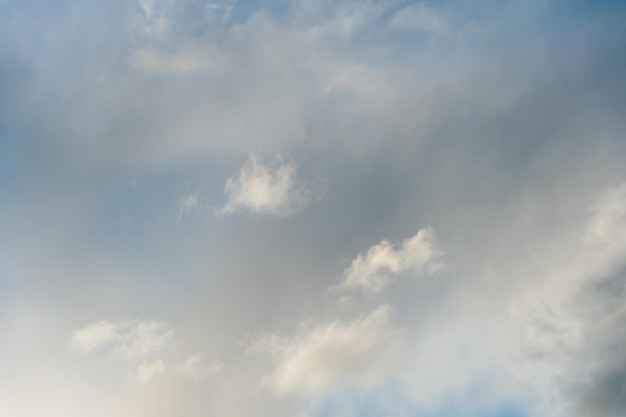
{"points": [[266, 189], [333, 355], [373, 271], [146, 372], [196, 368], [132, 340]]}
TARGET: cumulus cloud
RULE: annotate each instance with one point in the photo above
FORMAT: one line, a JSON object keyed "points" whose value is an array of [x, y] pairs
{"points": [[372, 271], [266, 189], [331, 355], [195, 367]]}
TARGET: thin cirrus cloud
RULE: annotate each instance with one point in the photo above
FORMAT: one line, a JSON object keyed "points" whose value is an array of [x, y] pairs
{"points": [[266, 189], [374, 270], [329, 356]]}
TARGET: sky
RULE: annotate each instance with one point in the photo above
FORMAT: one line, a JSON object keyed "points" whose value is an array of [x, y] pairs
{"points": [[312, 208]]}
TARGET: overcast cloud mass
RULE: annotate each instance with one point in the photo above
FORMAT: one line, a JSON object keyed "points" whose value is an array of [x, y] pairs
{"points": [[312, 208]]}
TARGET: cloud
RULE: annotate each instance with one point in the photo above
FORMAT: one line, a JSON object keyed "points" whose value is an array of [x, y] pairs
{"points": [[490, 121], [188, 203], [571, 321], [132, 340], [333, 355], [196, 368], [373, 271], [155, 62], [147, 372], [419, 18], [94, 336], [266, 189]]}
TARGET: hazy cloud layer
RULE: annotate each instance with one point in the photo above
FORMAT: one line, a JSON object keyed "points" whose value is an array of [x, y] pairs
{"points": [[452, 171]]}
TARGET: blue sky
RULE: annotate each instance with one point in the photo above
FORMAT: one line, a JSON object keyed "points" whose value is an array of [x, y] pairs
{"points": [[312, 208]]}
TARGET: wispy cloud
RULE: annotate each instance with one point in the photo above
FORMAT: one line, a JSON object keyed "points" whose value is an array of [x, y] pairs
{"points": [[571, 317], [419, 17], [187, 204], [195, 367], [331, 355], [372, 271], [133, 340]]}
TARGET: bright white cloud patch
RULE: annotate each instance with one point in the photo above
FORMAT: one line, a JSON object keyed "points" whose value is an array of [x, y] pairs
{"points": [[373, 271], [195, 367], [266, 189], [332, 355]]}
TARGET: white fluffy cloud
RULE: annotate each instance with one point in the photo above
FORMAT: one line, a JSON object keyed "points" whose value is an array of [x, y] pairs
{"points": [[266, 189], [331, 355], [373, 271]]}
